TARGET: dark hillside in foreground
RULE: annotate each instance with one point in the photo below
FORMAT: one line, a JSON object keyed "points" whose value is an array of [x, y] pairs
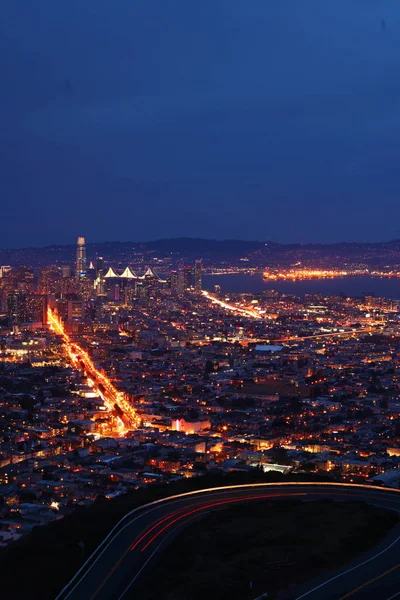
{"points": [[274, 545], [51, 555]]}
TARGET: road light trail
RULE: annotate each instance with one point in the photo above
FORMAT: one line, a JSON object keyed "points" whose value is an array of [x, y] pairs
{"points": [[119, 558], [111, 397], [253, 314], [353, 333]]}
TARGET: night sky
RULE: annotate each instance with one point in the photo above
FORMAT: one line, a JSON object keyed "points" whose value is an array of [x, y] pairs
{"points": [[251, 119]]}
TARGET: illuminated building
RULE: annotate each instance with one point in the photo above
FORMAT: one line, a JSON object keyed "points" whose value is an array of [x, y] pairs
{"points": [[180, 280], [187, 277], [81, 263], [19, 279], [173, 281], [36, 308], [129, 294], [91, 272], [86, 288], [198, 272], [113, 292], [190, 426], [217, 290], [69, 285], [60, 305], [4, 269], [16, 307], [66, 271], [49, 280], [100, 285], [76, 309], [99, 266]]}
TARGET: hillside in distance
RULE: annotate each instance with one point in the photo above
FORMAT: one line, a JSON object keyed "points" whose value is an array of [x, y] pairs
{"points": [[214, 253]]}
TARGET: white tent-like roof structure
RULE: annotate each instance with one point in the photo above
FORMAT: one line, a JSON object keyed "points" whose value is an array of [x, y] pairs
{"points": [[128, 274], [111, 274]]}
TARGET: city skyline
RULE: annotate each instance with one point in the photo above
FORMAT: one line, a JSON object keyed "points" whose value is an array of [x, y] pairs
{"points": [[114, 379]]}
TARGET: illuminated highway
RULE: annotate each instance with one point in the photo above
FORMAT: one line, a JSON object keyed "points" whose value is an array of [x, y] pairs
{"points": [[253, 314], [130, 552], [112, 398], [354, 333], [247, 312]]}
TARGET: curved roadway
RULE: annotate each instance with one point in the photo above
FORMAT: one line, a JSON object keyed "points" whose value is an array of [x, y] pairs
{"points": [[130, 551]]}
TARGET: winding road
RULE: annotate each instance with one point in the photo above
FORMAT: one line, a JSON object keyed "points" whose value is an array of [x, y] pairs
{"points": [[130, 551]]}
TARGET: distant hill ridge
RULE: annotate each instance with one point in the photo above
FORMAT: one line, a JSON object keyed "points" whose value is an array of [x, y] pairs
{"points": [[211, 250]]}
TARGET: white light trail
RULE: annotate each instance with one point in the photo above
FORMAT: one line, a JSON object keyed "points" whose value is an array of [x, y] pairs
{"points": [[253, 314]]}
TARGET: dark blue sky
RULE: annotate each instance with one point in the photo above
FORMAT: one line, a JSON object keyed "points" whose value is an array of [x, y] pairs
{"points": [[259, 119]]}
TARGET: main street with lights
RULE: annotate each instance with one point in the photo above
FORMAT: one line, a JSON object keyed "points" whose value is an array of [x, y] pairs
{"points": [[113, 399]]}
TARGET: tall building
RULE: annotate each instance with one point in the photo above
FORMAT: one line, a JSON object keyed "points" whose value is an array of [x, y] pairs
{"points": [[100, 285], [4, 269], [49, 280], [19, 279], [173, 281], [198, 272], [36, 308], [99, 266], [180, 280], [16, 307], [184, 278], [85, 287], [187, 277], [114, 291], [81, 263], [76, 309]]}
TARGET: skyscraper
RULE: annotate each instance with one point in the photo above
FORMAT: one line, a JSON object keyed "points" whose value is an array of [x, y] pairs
{"points": [[99, 266], [76, 309], [16, 307], [198, 271], [36, 308], [81, 257], [173, 281], [49, 280], [180, 280], [187, 277]]}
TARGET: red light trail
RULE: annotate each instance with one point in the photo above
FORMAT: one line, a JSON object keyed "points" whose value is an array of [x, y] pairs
{"points": [[191, 512]]}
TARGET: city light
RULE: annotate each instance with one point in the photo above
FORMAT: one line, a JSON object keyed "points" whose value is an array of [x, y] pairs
{"points": [[112, 398], [147, 378], [248, 312], [295, 274], [298, 274]]}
